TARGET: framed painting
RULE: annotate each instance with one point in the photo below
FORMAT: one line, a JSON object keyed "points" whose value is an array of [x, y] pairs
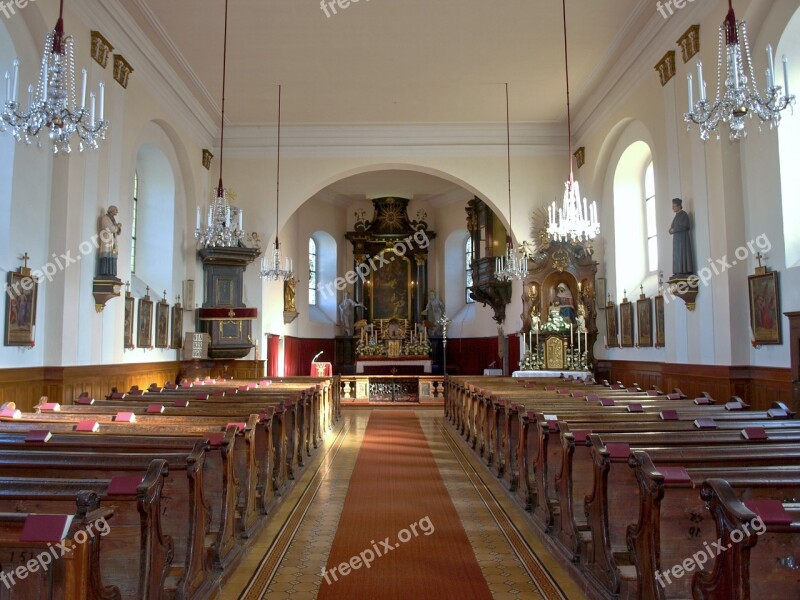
{"points": [[644, 322], [21, 295], [128, 334], [391, 288], [162, 324], [626, 324], [177, 326], [661, 340], [144, 337], [765, 310], [612, 327], [600, 296]]}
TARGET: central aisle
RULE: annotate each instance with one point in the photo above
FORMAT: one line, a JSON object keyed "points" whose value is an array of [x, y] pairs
{"points": [[388, 473], [399, 535]]}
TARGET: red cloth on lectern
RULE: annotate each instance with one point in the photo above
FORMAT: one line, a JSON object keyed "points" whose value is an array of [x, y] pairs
{"points": [[321, 369]]}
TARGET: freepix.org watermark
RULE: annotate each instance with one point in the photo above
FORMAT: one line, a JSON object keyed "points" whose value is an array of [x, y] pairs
{"points": [[363, 270], [59, 263], [668, 4], [44, 559], [701, 557], [718, 266], [329, 6], [366, 557], [9, 7]]}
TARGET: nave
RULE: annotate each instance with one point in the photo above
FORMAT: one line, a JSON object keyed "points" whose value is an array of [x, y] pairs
{"points": [[287, 559]]}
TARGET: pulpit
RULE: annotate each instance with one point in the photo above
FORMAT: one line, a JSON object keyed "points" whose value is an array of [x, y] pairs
{"points": [[224, 317], [321, 369]]}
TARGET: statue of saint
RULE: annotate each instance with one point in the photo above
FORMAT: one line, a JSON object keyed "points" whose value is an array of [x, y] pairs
{"points": [[289, 295], [433, 312], [580, 326], [682, 255], [347, 309], [109, 230], [563, 303]]}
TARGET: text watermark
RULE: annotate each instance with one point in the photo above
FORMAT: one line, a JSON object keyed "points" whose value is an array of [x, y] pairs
{"points": [[701, 557], [366, 557], [44, 559]]}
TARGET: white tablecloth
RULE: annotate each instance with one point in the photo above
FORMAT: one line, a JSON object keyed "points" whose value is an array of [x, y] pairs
{"points": [[575, 374]]}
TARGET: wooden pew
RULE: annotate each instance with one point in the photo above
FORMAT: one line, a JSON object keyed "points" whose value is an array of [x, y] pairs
{"points": [[742, 573], [186, 529]]}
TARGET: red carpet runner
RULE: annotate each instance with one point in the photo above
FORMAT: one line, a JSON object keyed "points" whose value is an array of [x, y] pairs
{"points": [[399, 519]]}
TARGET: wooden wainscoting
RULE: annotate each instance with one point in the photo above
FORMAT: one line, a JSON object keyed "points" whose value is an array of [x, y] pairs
{"points": [[758, 386], [25, 386]]}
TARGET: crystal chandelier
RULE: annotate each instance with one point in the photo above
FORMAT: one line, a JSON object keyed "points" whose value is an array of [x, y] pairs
{"points": [[223, 227], [741, 98], [575, 221], [271, 270], [510, 267], [52, 103]]}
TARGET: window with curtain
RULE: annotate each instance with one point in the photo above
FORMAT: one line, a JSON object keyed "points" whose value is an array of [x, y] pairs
{"points": [[312, 272], [133, 219], [650, 218], [469, 255]]}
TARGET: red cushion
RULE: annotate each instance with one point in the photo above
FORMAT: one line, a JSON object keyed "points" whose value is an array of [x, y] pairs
{"points": [[674, 474], [771, 512], [618, 449]]}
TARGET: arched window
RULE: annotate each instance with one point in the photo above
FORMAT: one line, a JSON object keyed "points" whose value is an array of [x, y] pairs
{"points": [[789, 147], [133, 219], [469, 255], [650, 218], [632, 227], [312, 272], [154, 218]]}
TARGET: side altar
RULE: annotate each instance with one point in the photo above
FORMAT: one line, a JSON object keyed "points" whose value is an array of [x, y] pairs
{"points": [[559, 308]]}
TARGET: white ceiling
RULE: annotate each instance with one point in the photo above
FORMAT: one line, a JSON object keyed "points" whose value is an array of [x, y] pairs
{"points": [[391, 61]]}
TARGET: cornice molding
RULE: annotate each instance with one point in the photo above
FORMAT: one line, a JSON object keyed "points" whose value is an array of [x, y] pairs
{"points": [[419, 139], [157, 76]]}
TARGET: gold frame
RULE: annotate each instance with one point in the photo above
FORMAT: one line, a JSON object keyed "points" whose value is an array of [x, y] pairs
{"points": [[130, 309], [771, 294], [177, 327], [144, 324], [626, 328], [220, 330], [644, 314], [162, 315], [612, 325], [660, 330], [24, 334]]}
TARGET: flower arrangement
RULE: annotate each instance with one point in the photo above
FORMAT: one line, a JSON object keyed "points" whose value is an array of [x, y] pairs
{"points": [[555, 324], [370, 350], [417, 348]]}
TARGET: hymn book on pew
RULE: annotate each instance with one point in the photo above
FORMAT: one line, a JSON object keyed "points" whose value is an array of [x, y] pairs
{"points": [[45, 528], [91, 426], [125, 417], [38, 435], [754, 433], [11, 413], [50, 406]]}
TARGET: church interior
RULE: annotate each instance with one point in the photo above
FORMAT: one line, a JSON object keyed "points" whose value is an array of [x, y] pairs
{"points": [[382, 300]]}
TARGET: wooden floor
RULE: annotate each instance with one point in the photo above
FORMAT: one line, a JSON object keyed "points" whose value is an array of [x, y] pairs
{"points": [[288, 558]]}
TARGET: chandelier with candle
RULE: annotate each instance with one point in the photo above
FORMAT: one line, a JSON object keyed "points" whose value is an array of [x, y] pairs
{"points": [[52, 102], [223, 223], [741, 98], [271, 268], [576, 219], [510, 267]]}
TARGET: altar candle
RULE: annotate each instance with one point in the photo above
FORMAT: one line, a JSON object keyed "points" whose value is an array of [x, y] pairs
{"points": [[579, 349]]}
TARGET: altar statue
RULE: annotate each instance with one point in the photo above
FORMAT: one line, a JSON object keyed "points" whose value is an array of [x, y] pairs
{"points": [[580, 326], [347, 310], [562, 304], [434, 311]]}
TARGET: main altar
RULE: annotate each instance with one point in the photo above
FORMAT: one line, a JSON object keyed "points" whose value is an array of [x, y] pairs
{"points": [[386, 325]]}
